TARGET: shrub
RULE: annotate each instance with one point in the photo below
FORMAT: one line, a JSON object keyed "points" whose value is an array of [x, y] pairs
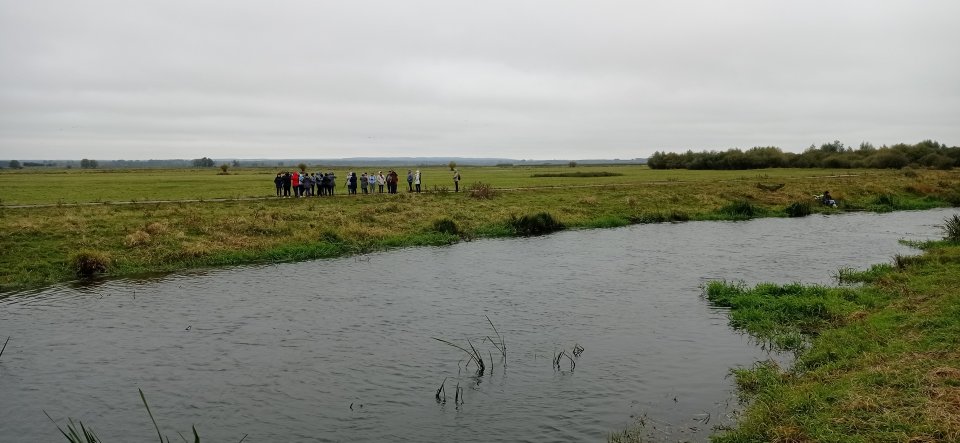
{"points": [[885, 200], [740, 209], [330, 236], [440, 189], [482, 191], [87, 263], [446, 226], [649, 217], [798, 209], [678, 216], [910, 172], [536, 224], [951, 228]]}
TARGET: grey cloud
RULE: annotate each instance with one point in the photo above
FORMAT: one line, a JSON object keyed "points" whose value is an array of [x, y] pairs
{"points": [[531, 79]]}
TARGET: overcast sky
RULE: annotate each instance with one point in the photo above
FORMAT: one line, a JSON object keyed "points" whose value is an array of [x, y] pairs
{"points": [[122, 79]]}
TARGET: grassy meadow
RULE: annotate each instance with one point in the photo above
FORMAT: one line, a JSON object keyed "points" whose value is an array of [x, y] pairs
{"points": [[112, 217]]}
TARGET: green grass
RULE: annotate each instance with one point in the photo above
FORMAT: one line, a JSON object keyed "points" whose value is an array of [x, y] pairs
{"points": [[878, 362], [40, 244]]}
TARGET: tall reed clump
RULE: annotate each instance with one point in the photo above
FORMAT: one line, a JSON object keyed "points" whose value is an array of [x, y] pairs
{"points": [[88, 263], [537, 224], [741, 209], [951, 228], [798, 209]]}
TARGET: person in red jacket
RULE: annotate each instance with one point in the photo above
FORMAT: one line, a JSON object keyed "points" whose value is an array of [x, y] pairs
{"points": [[296, 184]]}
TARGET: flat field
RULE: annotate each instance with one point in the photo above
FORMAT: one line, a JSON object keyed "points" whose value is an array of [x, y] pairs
{"points": [[144, 221]]}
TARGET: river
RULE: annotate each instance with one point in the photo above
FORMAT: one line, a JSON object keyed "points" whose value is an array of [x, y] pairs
{"points": [[345, 349]]}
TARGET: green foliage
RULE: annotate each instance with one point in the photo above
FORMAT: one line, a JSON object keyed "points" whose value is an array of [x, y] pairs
{"points": [[798, 209], [880, 363], [572, 164], [784, 316], [741, 209], [951, 228], [851, 275], [537, 224], [88, 263], [452, 165], [15, 164], [832, 155], [88, 164], [204, 162], [446, 226]]}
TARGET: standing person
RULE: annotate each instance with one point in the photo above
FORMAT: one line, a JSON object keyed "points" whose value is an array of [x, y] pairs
{"points": [[363, 182], [333, 183], [392, 181], [416, 180], [287, 179], [314, 182], [409, 180], [278, 182], [372, 181], [381, 180], [352, 183], [305, 182], [456, 180], [322, 182], [296, 184]]}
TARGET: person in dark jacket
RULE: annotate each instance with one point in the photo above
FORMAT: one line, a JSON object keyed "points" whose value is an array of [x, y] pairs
{"points": [[278, 182], [352, 183], [287, 181], [409, 180]]}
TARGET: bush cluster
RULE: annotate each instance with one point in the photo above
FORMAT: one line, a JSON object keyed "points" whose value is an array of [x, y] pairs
{"points": [[536, 224], [926, 154], [89, 263]]}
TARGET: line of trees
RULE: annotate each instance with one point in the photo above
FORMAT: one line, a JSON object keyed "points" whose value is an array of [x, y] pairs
{"points": [[926, 154]]}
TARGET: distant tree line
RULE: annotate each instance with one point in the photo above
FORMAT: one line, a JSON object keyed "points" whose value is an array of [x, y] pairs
{"points": [[927, 154]]}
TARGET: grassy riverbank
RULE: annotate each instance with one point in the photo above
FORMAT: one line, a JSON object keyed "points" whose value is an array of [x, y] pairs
{"points": [[116, 228], [875, 363]]}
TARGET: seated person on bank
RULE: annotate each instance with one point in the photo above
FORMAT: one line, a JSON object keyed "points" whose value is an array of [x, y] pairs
{"points": [[828, 200]]}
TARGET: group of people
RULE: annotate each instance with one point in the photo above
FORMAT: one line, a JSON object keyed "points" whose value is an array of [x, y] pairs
{"points": [[306, 184]]}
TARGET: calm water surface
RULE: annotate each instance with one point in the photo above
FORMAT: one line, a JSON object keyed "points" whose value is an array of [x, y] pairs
{"points": [[282, 352]]}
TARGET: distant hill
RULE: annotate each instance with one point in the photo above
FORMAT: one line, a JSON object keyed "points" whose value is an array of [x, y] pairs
{"points": [[351, 161]]}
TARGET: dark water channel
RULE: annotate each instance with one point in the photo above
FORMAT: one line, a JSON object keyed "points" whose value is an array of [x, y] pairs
{"points": [[281, 352]]}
